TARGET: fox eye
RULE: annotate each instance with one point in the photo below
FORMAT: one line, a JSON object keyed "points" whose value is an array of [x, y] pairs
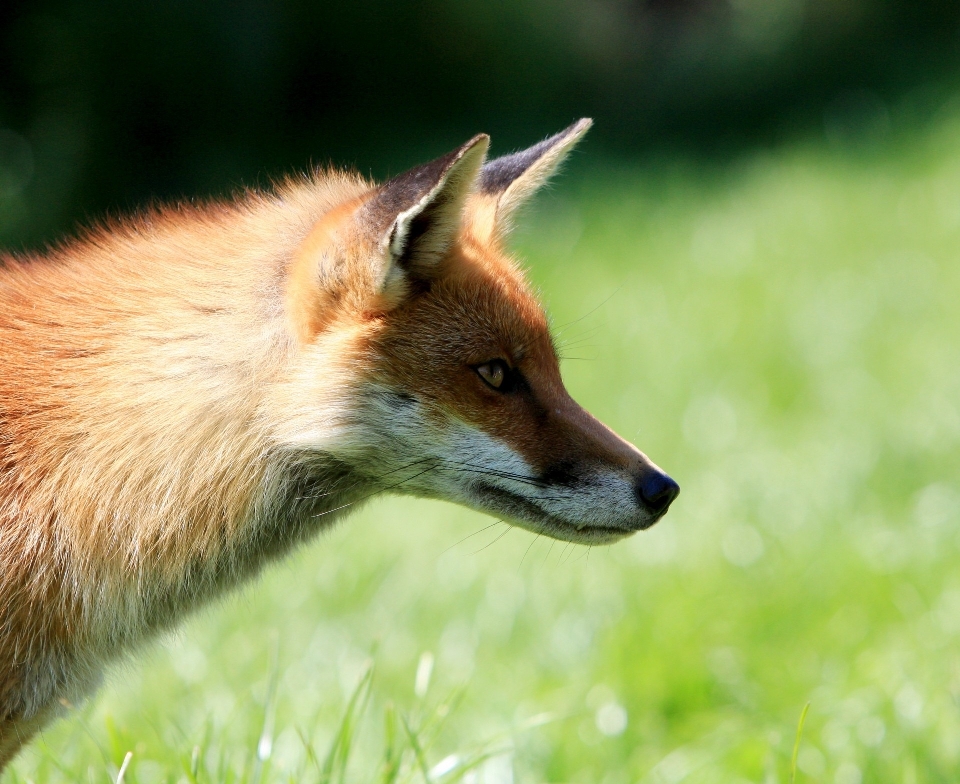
{"points": [[494, 372]]}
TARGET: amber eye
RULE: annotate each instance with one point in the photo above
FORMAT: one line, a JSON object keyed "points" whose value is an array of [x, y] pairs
{"points": [[494, 372]]}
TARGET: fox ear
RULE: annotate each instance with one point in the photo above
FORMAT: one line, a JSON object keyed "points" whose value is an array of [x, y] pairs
{"points": [[414, 218], [507, 182], [367, 254]]}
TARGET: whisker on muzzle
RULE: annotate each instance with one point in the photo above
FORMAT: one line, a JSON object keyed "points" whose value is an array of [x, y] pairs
{"points": [[470, 536], [506, 530]]}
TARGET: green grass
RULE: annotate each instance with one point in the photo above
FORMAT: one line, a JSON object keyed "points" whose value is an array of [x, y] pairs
{"points": [[783, 336]]}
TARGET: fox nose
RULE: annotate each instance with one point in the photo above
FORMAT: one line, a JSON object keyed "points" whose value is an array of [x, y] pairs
{"points": [[656, 491]]}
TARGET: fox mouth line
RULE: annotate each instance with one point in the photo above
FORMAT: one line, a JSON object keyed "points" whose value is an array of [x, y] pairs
{"points": [[527, 514]]}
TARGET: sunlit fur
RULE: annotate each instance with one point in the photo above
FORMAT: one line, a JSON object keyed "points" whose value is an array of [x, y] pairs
{"points": [[188, 394]]}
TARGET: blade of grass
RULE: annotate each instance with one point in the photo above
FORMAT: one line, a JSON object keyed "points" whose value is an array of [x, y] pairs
{"points": [[311, 753], [471, 762], [430, 729], [392, 757], [123, 767], [796, 743], [417, 750], [191, 766], [339, 753], [265, 739]]}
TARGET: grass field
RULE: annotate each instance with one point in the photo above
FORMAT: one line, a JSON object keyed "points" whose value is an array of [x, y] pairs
{"points": [[782, 335]]}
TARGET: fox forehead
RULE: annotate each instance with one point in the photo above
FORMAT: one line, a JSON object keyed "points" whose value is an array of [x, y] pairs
{"points": [[479, 308]]}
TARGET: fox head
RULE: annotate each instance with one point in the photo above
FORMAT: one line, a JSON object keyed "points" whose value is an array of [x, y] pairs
{"points": [[425, 363]]}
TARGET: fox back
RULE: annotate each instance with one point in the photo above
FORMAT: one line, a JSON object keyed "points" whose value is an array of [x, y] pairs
{"points": [[188, 394]]}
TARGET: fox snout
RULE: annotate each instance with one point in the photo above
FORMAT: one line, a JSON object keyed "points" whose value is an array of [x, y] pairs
{"points": [[634, 492]]}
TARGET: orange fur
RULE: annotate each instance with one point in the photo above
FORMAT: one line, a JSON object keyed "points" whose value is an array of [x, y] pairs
{"points": [[190, 393]]}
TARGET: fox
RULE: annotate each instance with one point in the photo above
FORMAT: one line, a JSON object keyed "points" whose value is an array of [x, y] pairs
{"points": [[191, 393]]}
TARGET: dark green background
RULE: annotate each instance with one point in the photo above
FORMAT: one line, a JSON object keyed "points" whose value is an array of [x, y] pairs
{"points": [[121, 102]]}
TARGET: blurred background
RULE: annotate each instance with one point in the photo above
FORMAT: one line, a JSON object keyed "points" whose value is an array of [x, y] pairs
{"points": [[105, 105], [751, 266]]}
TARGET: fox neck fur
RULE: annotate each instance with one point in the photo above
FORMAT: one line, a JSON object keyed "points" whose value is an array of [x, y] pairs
{"points": [[140, 471]]}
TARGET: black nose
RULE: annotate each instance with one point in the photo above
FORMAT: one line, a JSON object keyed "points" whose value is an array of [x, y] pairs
{"points": [[656, 490]]}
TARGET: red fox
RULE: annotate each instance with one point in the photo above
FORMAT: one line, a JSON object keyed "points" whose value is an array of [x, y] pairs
{"points": [[189, 394]]}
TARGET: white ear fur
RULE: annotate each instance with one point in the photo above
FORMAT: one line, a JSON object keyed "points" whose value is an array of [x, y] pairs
{"points": [[399, 235], [512, 179], [417, 214]]}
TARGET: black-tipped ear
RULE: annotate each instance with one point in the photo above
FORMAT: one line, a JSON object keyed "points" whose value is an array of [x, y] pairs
{"points": [[512, 179], [416, 215]]}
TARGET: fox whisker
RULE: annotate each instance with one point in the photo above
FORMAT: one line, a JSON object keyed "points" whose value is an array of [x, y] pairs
{"points": [[373, 494], [497, 539], [470, 536]]}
